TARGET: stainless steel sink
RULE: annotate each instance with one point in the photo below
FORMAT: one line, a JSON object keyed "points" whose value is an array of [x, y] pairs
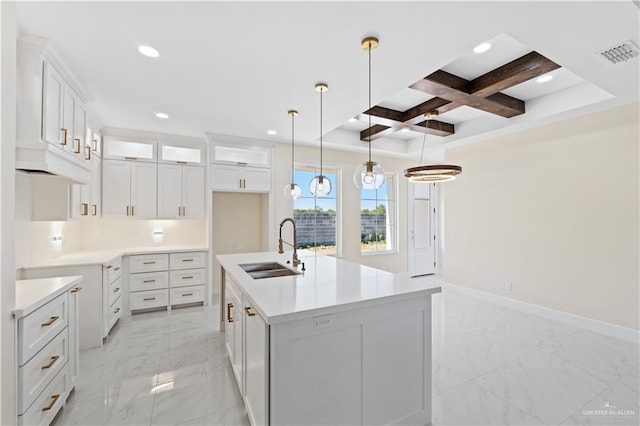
{"points": [[259, 271]]}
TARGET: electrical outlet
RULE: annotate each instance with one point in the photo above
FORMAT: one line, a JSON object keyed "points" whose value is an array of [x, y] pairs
{"points": [[323, 322], [508, 285]]}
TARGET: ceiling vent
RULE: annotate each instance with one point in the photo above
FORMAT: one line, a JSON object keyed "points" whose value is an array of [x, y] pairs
{"points": [[620, 53]]}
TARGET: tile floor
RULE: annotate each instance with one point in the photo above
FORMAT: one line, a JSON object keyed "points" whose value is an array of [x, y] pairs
{"points": [[492, 365]]}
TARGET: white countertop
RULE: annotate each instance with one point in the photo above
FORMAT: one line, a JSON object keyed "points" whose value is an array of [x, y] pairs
{"points": [[328, 285], [98, 257], [32, 294]]}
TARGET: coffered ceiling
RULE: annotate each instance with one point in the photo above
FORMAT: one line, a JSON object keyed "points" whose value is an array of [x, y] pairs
{"points": [[235, 68]]}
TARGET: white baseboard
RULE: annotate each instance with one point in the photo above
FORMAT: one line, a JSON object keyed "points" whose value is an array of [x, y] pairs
{"points": [[601, 327]]}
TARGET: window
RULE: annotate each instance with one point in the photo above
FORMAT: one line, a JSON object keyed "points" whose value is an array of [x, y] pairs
{"points": [[378, 213], [316, 217]]}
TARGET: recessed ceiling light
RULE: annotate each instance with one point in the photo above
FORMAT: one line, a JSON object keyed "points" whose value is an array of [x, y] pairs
{"points": [[272, 132], [544, 78], [148, 51], [353, 120], [162, 115], [482, 47], [404, 130]]}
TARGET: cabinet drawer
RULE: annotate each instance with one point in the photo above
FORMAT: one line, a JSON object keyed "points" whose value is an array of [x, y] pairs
{"points": [[115, 312], [187, 260], [47, 405], [115, 290], [36, 374], [148, 263], [148, 281], [190, 294], [148, 299], [114, 270], [187, 277], [39, 327]]}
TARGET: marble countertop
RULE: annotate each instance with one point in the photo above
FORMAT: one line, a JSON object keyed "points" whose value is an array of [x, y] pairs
{"points": [[328, 285], [98, 257], [32, 294]]}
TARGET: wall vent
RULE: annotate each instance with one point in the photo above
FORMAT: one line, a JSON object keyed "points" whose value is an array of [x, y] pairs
{"points": [[621, 52]]}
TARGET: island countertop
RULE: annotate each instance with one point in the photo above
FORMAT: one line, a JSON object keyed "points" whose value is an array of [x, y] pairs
{"points": [[32, 294], [328, 285]]}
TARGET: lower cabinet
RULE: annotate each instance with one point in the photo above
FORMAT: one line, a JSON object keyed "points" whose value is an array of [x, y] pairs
{"points": [[111, 295], [233, 333]]}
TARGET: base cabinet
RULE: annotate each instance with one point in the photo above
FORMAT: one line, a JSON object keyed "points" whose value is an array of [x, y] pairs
{"points": [[256, 366]]}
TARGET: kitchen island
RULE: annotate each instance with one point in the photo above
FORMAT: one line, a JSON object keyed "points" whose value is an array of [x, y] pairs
{"points": [[340, 343]]}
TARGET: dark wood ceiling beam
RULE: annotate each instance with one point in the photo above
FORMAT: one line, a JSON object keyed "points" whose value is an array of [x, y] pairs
{"points": [[376, 132], [434, 127], [416, 114], [515, 72]]}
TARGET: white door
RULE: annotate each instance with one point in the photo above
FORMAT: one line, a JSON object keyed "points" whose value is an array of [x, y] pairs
{"points": [[144, 194], [225, 177], [421, 220], [256, 179], [193, 191], [52, 108], [116, 190], [169, 191]]}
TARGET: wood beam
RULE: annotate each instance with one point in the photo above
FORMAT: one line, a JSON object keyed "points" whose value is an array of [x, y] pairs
{"points": [[434, 127], [376, 131]]}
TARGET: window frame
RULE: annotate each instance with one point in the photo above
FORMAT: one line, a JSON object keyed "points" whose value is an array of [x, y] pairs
{"points": [[395, 227]]}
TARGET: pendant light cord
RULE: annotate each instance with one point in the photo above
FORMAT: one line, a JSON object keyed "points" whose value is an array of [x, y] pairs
{"points": [[369, 135], [292, 146], [321, 91]]}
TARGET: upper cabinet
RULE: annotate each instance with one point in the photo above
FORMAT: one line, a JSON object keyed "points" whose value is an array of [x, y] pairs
{"points": [[116, 148], [51, 114], [180, 191], [240, 167], [129, 189]]}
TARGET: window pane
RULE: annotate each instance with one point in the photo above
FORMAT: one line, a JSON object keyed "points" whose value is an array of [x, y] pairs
{"points": [[377, 218]]}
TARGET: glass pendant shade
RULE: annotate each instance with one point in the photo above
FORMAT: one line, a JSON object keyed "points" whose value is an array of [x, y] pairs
{"points": [[291, 191], [369, 176], [320, 185]]}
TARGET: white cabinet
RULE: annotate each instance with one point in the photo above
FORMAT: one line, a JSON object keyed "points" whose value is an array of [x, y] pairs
{"points": [[115, 148], [85, 198], [96, 186], [129, 189], [180, 191], [240, 178], [111, 294], [74, 335], [53, 92], [233, 333], [256, 366]]}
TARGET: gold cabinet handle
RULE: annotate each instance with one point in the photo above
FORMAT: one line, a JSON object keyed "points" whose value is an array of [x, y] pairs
{"points": [[229, 306], [249, 312], [64, 139], [184, 211], [95, 209], [132, 214], [179, 211], [149, 281], [149, 263], [149, 298], [117, 289], [54, 399], [116, 310], [95, 144], [108, 267], [77, 149], [116, 269], [76, 289], [85, 209], [187, 294], [88, 155], [130, 158], [188, 277], [53, 361], [181, 162], [127, 210], [51, 321], [187, 260]]}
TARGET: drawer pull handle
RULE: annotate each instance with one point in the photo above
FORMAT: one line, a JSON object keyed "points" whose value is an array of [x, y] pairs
{"points": [[76, 289], [108, 267], [54, 399], [85, 209], [229, 306], [95, 209], [149, 281], [51, 321], [187, 294], [249, 312], [64, 139], [189, 277], [116, 310], [116, 269], [149, 298], [117, 289], [130, 158], [187, 260], [149, 263], [53, 361]]}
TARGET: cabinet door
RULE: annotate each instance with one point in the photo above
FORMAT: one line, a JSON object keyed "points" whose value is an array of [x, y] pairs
{"points": [[193, 192], [256, 180], [95, 209], [169, 191], [225, 178], [116, 192], [74, 335], [144, 196], [255, 367], [80, 201], [80, 132], [53, 92], [68, 121]]}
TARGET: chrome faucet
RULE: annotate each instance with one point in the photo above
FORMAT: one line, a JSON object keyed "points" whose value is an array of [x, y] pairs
{"points": [[295, 261]]}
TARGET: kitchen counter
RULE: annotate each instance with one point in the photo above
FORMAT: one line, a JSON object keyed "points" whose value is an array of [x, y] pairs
{"points": [[32, 294], [97, 257], [327, 284]]}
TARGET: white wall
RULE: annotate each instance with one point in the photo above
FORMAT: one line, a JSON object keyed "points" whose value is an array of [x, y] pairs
{"points": [[554, 210], [349, 199]]}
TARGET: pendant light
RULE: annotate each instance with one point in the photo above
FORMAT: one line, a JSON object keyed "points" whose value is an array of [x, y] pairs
{"points": [[370, 174], [429, 173], [320, 185], [291, 191]]}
